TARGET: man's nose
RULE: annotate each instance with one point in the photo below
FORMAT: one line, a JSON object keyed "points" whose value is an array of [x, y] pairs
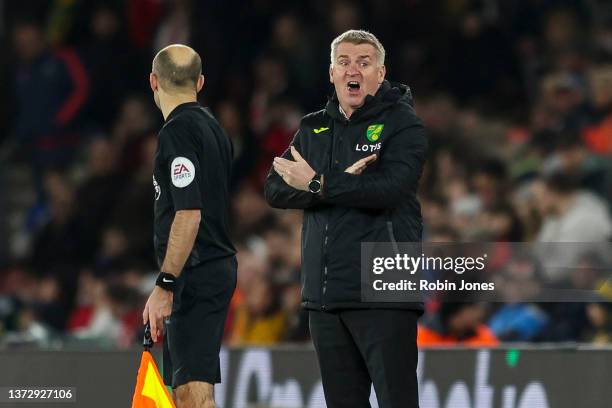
{"points": [[352, 70]]}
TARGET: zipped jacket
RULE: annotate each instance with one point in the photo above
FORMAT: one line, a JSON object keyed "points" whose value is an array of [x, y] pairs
{"points": [[378, 205]]}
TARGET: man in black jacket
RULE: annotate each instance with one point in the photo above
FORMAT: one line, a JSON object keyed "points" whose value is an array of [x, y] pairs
{"points": [[354, 168]]}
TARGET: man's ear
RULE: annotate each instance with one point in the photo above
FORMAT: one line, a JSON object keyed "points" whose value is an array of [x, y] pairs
{"points": [[382, 71], [200, 83], [153, 82], [331, 73]]}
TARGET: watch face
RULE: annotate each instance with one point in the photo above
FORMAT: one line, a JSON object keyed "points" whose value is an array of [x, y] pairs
{"points": [[314, 186]]}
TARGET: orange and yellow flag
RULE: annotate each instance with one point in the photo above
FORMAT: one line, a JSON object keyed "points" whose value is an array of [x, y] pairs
{"points": [[150, 389]]}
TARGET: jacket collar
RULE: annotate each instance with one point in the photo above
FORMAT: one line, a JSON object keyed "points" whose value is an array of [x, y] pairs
{"points": [[386, 96]]}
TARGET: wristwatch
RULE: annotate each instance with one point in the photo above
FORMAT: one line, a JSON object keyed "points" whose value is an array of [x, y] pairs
{"points": [[314, 186]]}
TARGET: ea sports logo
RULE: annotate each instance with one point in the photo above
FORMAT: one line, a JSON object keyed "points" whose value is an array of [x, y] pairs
{"points": [[180, 170], [183, 172]]}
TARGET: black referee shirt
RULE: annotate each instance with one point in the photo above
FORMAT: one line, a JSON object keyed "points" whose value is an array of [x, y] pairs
{"points": [[192, 171]]}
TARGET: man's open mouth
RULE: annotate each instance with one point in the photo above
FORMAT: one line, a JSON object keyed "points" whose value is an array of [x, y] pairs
{"points": [[353, 86]]}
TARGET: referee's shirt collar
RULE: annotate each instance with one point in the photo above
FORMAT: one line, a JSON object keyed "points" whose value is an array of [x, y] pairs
{"points": [[180, 108]]}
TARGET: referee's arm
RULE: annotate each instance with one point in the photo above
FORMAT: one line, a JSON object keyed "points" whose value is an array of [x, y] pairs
{"points": [[178, 148], [182, 237], [183, 233]]}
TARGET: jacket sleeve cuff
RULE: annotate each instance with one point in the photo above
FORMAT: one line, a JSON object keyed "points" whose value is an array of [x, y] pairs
{"points": [[333, 183]]}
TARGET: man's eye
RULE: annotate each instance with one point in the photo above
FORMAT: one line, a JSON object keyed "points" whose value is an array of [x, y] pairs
{"points": [[364, 64], [344, 63]]}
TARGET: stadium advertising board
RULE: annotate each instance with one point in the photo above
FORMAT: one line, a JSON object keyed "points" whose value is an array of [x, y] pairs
{"points": [[289, 377]]}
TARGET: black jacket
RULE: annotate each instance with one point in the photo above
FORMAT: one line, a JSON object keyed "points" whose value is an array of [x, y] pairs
{"points": [[379, 205]]}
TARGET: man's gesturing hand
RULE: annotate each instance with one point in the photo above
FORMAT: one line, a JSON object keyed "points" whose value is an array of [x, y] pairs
{"points": [[158, 307], [296, 173], [360, 165]]}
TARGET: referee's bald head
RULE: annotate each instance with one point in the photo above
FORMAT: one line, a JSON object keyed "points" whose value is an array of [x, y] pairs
{"points": [[177, 68]]}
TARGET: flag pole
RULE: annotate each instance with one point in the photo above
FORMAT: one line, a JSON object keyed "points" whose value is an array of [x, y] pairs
{"points": [[147, 341]]}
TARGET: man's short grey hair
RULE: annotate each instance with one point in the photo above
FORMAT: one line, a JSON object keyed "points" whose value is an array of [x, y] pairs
{"points": [[359, 37], [175, 75]]}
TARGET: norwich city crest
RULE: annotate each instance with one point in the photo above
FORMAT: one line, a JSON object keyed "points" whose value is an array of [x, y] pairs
{"points": [[373, 132]]}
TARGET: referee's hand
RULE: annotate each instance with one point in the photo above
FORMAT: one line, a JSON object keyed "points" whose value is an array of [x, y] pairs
{"points": [[158, 307]]}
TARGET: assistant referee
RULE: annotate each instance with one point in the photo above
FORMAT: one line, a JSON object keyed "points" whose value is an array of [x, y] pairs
{"points": [[197, 259]]}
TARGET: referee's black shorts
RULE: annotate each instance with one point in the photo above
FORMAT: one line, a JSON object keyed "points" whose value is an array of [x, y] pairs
{"points": [[194, 330], [361, 347]]}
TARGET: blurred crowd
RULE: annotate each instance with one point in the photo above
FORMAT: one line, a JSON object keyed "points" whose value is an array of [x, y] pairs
{"points": [[516, 96]]}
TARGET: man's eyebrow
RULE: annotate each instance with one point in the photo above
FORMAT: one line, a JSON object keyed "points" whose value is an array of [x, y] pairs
{"points": [[358, 57]]}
